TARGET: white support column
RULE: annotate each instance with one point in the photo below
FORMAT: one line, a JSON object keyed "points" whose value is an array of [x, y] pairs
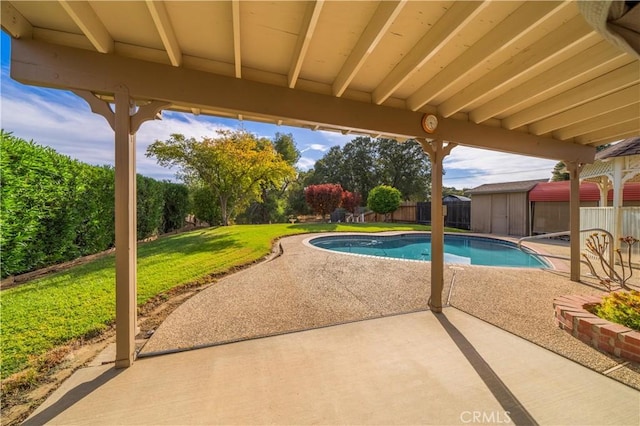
{"points": [[436, 150], [618, 185], [125, 122], [603, 186], [574, 218]]}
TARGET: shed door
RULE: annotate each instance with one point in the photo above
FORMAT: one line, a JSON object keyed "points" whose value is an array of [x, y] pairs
{"points": [[499, 214]]}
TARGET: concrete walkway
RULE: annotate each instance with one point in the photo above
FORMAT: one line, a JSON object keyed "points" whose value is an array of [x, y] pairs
{"points": [[418, 368]]}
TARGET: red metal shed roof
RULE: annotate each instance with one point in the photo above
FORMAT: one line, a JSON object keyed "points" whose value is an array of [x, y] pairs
{"points": [[559, 191]]}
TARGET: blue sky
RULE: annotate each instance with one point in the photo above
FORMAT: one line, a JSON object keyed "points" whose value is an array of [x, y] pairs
{"points": [[64, 122]]}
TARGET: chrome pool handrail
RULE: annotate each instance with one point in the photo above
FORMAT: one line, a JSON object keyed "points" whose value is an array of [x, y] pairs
{"points": [[563, 233]]}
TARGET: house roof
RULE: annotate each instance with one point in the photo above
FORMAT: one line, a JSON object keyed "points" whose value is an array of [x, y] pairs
{"points": [[533, 78], [494, 188], [624, 148], [560, 191]]}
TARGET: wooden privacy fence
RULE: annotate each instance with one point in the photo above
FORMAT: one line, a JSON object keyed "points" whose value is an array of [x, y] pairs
{"points": [[604, 217], [458, 214], [405, 213]]}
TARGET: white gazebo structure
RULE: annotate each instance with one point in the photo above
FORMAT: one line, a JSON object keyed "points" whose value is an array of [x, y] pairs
{"points": [[613, 167], [551, 79]]}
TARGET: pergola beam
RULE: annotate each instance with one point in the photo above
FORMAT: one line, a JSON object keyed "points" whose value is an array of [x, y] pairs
{"points": [[384, 16], [616, 137], [608, 119], [575, 69], [41, 64], [429, 45], [619, 129], [90, 24], [611, 82], [512, 142], [570, 37], [304, 40], [623, 98], [503, 35], [237, 54], [14, 23], [161, 19]]}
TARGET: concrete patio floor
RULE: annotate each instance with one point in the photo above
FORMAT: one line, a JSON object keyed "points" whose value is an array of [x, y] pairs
{"points": [[416, 368], [351, 343]]}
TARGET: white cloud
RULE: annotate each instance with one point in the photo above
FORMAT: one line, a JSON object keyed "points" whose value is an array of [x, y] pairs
{"points": [[75, 132], [315, 147], [470, 167], [305, 163], [171, 123], [335, 138], [65, 123]]}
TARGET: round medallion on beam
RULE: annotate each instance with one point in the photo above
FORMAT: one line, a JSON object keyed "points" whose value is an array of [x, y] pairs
{"points": [[429, 123]]}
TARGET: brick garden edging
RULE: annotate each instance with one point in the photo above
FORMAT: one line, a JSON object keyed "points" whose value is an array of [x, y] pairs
{"points": [[616, 339]]}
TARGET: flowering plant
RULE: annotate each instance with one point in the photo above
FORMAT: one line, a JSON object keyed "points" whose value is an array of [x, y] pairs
{"points": [[598, 245]]}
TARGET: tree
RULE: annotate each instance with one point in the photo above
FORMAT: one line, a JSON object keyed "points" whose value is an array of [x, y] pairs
{"points": [[384, 199], [365, 163], [329, 169], [323, 198], [350, 201], [296, 202], [361, 170], [205, 206], [285, 145], [234, 166], [405, 167], [451, 190], [558, 173], [271, 205]]}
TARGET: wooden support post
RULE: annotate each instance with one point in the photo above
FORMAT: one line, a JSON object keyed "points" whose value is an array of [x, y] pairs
{"points": [[125, 122], [125, 231], [436, 151], [574, 217]]}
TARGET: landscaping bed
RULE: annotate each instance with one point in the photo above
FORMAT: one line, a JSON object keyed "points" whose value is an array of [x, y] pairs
{"points": [[572, 314]]}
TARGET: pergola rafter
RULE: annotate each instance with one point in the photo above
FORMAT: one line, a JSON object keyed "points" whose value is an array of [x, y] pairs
{"points": [[161, 19], [85, 17], [436, 39], [520, 23]]}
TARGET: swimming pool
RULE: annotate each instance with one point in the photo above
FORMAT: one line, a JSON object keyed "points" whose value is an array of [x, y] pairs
{"points": [[459, 249]]}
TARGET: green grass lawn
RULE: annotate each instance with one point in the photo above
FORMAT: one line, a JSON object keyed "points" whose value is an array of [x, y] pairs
{"points": [[55, 309]]}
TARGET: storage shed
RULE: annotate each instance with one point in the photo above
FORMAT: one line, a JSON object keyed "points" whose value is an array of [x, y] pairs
{"points": [[534, 207], [502, 208]]}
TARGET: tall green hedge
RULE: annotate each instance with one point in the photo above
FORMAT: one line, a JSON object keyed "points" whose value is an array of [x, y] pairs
{"points": [[176, 206], [150, 206], [54, 209]]}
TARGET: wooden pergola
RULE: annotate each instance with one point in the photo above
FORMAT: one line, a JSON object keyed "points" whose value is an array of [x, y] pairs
{"points": [[531, 78]]}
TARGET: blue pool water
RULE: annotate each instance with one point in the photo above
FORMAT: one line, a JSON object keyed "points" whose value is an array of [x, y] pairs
{"points": [[460, 249]]}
